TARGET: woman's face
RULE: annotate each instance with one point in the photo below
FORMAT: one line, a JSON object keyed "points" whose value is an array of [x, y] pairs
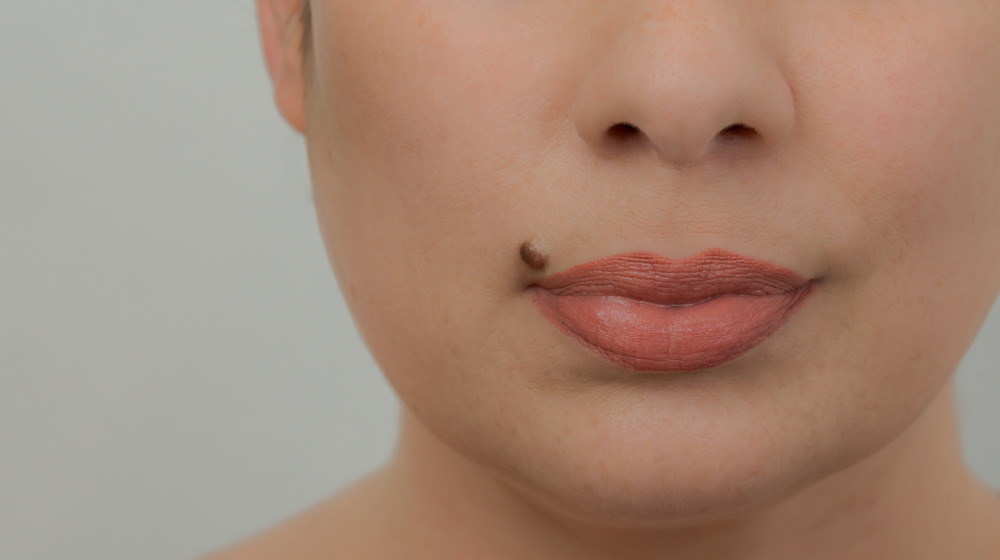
{"points": [[854, 143]]}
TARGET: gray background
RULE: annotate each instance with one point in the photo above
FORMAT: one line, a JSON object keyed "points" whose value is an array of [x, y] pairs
{"points": [[177, 369]]}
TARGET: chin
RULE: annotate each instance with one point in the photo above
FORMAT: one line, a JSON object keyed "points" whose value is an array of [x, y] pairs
{"points": [[695, 478], [669, 499]]}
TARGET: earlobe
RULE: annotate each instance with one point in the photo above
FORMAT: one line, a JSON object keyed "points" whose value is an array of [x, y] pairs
{"points": [[281, 37]]}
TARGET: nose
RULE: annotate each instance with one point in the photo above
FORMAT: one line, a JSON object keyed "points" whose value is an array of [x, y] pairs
{"points": [[694, 80]]}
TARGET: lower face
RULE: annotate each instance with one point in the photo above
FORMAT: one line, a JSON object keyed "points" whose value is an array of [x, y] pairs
{"points": [[444, 135]]}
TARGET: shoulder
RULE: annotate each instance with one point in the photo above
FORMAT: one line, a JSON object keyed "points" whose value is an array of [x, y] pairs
{"points": [[344, 526]]}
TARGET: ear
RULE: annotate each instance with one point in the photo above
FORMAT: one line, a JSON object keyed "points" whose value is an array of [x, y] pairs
{"points": [[281, 34]]}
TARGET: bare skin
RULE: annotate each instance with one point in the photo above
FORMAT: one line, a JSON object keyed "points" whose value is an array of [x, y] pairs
{"points": [[857, 143]]}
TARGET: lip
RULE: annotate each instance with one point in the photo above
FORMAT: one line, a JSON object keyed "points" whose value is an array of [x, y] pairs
{"points": [[646, 312]]}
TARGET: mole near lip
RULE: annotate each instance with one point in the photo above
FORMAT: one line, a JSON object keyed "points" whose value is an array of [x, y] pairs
{"points": [[645, 312]]}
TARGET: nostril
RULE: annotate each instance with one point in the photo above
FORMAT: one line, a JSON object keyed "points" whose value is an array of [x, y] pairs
{"points": [[622, 131], [738, 130]]}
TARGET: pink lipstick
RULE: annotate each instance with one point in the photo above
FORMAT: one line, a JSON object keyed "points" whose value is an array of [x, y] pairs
{"points": [[646, 312]]}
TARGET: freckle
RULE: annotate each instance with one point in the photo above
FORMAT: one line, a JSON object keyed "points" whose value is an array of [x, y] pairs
{"points": [[532, 256]]}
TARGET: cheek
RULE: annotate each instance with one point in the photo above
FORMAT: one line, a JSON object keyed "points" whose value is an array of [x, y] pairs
{"points": [[422, 181], [907, 136], [907, 129], [418, 139]]}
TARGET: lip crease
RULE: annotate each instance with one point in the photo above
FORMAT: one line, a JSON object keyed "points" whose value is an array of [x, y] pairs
{"points": [[646, 312]]}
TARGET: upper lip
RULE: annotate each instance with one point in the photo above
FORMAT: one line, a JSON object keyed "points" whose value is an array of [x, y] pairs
{"points": [[659, 280]]}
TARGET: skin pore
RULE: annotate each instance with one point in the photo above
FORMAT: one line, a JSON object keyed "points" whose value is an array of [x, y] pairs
{"points": [[460, 151]]}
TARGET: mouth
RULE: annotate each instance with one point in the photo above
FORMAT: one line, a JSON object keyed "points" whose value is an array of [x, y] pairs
{"points": [[645, 312]]}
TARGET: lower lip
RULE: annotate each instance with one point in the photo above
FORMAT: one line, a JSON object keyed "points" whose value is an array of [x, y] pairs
{"points": [[645, 336]]}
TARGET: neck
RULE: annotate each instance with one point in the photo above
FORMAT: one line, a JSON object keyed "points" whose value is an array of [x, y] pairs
{"points": [[914, 498]]}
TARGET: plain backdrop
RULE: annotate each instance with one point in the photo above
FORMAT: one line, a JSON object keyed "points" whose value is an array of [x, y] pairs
{"points": [[177, 368]]}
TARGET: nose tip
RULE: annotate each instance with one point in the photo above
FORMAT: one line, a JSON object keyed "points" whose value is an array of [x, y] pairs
{"points": [[689, 94]]}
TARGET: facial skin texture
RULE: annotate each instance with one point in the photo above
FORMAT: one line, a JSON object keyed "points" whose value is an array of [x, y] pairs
{"points": [[854, 142]]}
